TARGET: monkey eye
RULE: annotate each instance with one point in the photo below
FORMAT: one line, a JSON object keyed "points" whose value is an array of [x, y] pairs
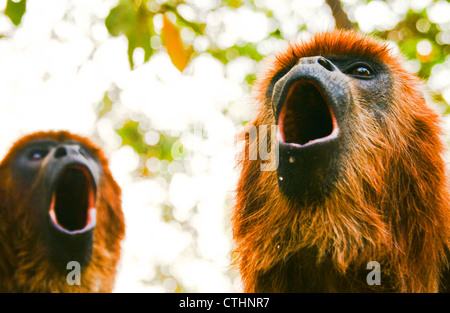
{"points": [[37, 154], [360, 70]]}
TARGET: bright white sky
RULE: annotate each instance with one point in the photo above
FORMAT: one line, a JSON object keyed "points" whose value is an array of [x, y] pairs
{"points": [[56, 66]]}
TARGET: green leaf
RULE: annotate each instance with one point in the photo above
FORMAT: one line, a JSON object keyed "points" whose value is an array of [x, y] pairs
{"points": [[104, 106], [248, 50], [135, 21], [198, 28], [15, 10], [232, 3], [133, 136]]}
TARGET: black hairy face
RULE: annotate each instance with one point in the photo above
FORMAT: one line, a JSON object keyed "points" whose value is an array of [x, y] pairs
{"points": [[313, 106], [59, 182]]}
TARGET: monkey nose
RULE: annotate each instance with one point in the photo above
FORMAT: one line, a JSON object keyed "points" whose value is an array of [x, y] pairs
{"points": [[326, 64], [60, 152], [322, 61], [66, 150]]}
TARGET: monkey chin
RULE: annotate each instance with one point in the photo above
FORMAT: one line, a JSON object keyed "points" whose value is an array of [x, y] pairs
{"points": [[309, 104]]}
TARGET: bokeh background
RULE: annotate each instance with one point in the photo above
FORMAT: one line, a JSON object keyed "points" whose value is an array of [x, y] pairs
{"points": [[163, 87]]}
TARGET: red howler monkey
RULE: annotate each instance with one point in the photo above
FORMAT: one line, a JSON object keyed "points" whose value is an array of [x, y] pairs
{"points": [[59, 203], [360, 176]]}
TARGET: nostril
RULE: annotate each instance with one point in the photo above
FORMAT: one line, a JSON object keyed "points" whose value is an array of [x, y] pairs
{"points": [[60, 152], [326, 64]]}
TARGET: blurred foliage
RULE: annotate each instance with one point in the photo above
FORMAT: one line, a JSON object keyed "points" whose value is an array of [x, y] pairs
{"points": [[414, 28], [174, 45], [15, 10], [232, 3], [133, 136], [135, 20], [132, 19]]}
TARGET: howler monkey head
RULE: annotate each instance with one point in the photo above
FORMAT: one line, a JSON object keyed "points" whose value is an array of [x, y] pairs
{"points": [[341, 108], [64, 204]]}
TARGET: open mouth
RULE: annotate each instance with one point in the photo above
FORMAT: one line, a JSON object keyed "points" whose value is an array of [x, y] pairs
{"points": [[72, 209], [306, 117]]}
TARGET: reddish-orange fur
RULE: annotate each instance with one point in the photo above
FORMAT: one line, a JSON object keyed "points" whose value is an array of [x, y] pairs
{"points": [[24, 265], [392, 205]]}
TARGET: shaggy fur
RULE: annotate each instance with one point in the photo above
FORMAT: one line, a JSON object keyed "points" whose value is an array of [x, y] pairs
{"points": [[391, 204], [24, 264]]}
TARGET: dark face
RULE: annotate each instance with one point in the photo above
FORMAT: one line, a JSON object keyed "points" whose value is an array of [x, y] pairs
{"points": [[315, 107], [58, 182]]}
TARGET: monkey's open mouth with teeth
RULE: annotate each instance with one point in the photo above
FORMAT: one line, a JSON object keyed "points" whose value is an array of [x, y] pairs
{"points": [[306, 117], [72, 208]]}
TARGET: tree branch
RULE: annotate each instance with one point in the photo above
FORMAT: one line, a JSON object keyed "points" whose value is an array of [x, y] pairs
{"points": [[341, 18]]}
